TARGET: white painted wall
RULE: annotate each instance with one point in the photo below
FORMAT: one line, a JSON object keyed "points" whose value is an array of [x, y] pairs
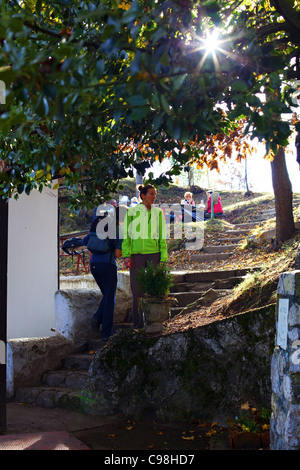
{"points": [[32, 264]]}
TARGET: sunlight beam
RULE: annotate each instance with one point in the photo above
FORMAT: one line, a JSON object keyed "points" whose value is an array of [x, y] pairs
{"points": [[211, 42]]}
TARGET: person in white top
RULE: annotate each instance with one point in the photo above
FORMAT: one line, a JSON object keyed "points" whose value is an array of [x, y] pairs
{"points": [[188, 199]]}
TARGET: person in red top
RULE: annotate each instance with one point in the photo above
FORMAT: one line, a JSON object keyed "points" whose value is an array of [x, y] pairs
{"points": [[217, 205]]}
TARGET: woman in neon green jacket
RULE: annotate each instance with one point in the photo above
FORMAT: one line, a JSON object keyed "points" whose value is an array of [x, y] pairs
{"points": [[144, 240]]}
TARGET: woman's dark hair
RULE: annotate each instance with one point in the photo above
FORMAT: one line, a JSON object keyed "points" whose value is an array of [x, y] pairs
{"points": [[144, 189]]}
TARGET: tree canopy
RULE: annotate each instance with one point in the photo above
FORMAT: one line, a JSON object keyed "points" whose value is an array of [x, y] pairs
{"points": [[96, 89]]}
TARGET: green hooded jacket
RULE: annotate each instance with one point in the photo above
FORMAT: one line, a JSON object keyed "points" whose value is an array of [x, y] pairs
{"points": [[144, 232]]}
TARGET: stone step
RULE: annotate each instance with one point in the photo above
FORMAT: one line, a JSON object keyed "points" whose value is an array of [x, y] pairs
{"points": [[262, 218], [178, 277], [187, 293], [94, 344], [186, 298], [227, 240], [203, 300], [241, 232], [228, 283], [267, 211], [246, 224], [218, 248], [78, 361], [205, 258], [188, 287], [74, 379], [266, 216], [49, 397], [206, 276], [295, 203]]}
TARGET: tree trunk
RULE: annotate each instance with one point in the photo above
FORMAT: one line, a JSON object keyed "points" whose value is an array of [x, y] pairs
{"points": [[138, 181], [285, 226], [248, 192]]}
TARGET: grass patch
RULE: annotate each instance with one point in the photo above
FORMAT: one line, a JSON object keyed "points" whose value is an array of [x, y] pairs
{"points": [[250, 202], [217, 225]]}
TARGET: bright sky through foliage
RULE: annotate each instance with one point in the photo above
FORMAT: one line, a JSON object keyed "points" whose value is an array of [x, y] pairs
{"points": [[212, 41]]}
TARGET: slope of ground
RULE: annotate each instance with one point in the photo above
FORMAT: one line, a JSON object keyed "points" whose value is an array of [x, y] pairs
{"points": [[259, 286]]}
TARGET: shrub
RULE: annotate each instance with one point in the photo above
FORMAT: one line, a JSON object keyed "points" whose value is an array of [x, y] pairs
{"points": [[155, 281]]}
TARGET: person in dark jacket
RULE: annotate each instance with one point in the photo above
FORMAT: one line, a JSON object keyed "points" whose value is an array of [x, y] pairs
{"points": [[104, 270]]}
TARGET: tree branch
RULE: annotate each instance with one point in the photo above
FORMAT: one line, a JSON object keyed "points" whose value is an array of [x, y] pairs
{"points": [[289, 13], [272, 29], [39, 29]]}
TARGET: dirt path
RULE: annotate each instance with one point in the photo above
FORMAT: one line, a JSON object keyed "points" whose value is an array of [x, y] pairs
{"points": [[116, 432]]}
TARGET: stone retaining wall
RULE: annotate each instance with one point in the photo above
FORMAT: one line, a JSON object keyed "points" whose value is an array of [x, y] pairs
{"points": [[75, 308], [29, 358], [285, 370], [206, 372]]}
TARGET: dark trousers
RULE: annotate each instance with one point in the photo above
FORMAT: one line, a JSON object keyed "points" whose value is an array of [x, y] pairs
{"points": [[105, 275], [138, 262]]}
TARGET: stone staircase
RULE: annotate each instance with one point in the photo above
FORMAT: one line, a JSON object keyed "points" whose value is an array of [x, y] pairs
{"points": [[270, 213], [200, 288], [196, 289], [62, 387], [228, 241]]}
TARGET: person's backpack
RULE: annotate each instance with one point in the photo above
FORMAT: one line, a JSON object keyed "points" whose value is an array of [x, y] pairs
{"points": [[71, 244], [99, 245]]}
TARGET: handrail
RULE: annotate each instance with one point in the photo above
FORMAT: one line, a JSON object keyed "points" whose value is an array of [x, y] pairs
{"points": [[74, 234]]}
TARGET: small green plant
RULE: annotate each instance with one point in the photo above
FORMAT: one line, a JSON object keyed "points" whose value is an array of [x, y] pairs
{"points": [[253, 421], [247, 424], [265, 414], [155, 281]]}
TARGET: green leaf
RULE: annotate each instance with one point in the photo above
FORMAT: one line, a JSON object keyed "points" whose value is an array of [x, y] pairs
{"points": [[165, 104], [157, 122], [137, 100], [139, 113], [179, 81], [165, 59], [239, 85]]}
